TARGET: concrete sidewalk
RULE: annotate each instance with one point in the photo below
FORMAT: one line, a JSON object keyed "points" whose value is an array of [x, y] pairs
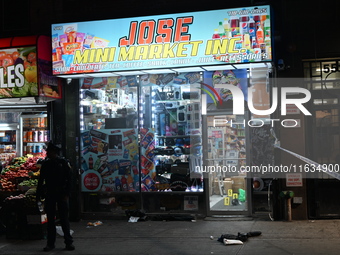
{"points": [[190, 238]]}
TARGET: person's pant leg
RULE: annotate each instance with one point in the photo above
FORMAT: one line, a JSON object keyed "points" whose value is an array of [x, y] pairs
{"points": [[50, 209], [63, 210]]}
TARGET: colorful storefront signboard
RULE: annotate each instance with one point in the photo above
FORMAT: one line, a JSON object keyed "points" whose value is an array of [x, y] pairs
{"points": [[163, 41], [18, 72], [49, 85], [25, 68]]}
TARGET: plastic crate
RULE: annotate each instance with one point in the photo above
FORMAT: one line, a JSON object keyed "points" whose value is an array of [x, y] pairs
{"points": [[23, 230]]}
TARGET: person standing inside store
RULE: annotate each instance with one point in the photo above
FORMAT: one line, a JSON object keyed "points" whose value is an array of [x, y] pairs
{"points": [[55, 186]]}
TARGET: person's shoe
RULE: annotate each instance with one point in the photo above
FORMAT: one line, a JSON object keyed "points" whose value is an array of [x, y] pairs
{"points": [[69, 247], [48, 248]]}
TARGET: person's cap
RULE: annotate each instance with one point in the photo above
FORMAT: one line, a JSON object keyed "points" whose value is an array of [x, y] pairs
{"points": [[52, 147]]}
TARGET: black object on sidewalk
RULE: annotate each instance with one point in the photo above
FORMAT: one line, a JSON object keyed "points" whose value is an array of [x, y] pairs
{"points": [[240, 236]]}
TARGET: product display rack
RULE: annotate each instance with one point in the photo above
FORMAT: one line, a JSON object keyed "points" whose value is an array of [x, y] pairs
{"points": [[105, 102], [228, 143], [34, 133], [8, 142]]}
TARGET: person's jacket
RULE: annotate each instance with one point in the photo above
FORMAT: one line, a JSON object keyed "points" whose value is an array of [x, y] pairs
{"points": [[55, 178]]}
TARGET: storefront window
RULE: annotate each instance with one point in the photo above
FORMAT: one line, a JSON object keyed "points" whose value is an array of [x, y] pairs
{"points": [[109, 134], [139, 134], [165, 121], [108, 103], [143, 133], [171, 132]]}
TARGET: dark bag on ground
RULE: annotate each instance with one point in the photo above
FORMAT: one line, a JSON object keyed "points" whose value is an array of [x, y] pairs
{"points": [[240, 236]]}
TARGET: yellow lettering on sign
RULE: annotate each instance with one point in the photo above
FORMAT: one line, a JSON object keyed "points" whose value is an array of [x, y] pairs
{"points": [[195, 45], [155, 51], [94, 55], [81, 57], [208, 47], [105, 55], [232, 42], [168, 52], [220, 46], [141, 52], [125, 54], [181, 49]]}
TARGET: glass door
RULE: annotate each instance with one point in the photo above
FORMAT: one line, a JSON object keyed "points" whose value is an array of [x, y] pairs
{"points": [[34, 133], [8, 143], [225, 158]]}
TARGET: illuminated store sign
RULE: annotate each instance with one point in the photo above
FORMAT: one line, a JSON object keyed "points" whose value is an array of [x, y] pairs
{"points": [[18, 72], [175, 40]]}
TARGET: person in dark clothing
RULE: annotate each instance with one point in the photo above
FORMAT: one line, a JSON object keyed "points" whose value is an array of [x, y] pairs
{"points": [[55, 183]]}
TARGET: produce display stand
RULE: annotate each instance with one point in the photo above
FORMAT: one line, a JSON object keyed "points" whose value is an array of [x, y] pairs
{"points": [[23, 220], [19, 212]]}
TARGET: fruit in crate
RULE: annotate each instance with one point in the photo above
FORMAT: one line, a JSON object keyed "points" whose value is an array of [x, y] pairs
{"points": [[27, 184], [30, 163], [21, 166], [30, 166], [21, 196], [34, 174], [7, 185], [14, 174], [18, 161]]}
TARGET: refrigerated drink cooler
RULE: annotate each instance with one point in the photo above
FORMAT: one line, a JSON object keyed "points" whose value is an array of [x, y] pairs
{"points": [[33, 134], [8, 142]]}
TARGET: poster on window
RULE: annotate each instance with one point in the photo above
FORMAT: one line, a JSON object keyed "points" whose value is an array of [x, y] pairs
{"points": [[109, 161], [220, 96], [191, 203]]}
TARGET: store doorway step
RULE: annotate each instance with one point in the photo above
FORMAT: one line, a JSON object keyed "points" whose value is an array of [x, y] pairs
{"points": [[171, 217], [229, 218]]}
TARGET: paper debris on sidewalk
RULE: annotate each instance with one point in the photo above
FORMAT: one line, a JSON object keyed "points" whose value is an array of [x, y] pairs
{"points": [[94, 224], [133, 219], [228, 241], [60, 231]]}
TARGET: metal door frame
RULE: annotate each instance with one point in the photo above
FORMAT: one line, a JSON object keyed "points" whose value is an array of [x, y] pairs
{"points": [[209, 212]]}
